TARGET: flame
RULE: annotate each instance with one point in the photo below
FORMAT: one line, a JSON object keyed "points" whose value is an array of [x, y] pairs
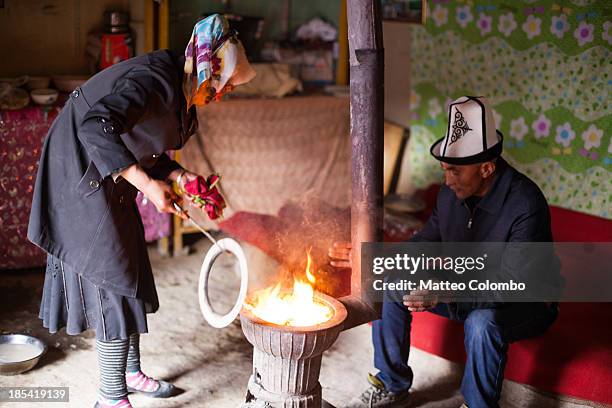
{"points": [[298, 308], [309, 275]]}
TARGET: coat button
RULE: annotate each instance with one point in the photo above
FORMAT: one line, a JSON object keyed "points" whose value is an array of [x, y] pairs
{"points": [[94, 184], [75, 93], [121, 200], [108, 129]]}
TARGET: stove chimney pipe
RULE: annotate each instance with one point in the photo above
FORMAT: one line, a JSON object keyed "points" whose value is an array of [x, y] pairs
{"points": [[366, 59]]}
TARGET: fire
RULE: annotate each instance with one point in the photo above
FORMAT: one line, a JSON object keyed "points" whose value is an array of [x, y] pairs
{"points": [[298, 308]]}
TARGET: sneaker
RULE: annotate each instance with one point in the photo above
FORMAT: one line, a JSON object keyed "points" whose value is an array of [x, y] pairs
{"points": [[377, 396]]}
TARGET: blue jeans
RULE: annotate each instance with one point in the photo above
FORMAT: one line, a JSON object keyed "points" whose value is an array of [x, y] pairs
{"points": [[487, 335]]}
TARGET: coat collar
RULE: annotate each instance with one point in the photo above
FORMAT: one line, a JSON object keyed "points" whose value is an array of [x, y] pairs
{"points": [[188, 117], [493, 201]]}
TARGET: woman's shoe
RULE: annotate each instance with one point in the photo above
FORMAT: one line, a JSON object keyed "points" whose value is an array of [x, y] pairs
{"points": [[165, 390], [141, 383], [122, 403]]}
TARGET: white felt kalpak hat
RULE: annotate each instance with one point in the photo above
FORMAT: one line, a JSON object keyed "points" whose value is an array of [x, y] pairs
{"points": [[471, 136]]}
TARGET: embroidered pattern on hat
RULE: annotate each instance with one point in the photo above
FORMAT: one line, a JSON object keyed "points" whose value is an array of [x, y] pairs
{"points": [[460, 127]]}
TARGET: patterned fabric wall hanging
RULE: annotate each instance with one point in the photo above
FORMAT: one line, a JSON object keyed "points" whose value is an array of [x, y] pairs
{"points": [[546, 67]]}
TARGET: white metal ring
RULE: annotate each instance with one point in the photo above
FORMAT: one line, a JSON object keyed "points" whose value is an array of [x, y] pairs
{"points": [[213, 318]]}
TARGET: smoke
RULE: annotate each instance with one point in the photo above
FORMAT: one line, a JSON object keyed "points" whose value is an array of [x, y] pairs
{"points": [[302, 225], [313, 226]]}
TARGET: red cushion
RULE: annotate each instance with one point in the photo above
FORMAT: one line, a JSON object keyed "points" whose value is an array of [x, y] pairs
{"points": [[572, 226], [299, 228], [257, 229], [574, 357]]}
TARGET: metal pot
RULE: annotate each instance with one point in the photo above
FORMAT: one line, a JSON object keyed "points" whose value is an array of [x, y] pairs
{"points": [[39, 348]]}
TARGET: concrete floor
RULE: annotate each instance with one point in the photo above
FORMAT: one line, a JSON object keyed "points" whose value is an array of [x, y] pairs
{"points": [[212, 365]]}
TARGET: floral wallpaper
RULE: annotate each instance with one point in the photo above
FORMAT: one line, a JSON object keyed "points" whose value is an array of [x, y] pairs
{"points": [[546, 67]]}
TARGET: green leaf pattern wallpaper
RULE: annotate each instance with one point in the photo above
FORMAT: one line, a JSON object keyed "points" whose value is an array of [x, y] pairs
{"points": [[546, 67]]}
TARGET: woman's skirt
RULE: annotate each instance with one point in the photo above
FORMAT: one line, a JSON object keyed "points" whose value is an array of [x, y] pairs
{"points": [[69, 300]]}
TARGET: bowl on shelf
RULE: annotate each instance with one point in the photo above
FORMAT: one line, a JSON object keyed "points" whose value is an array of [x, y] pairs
{"points": [[38, 82], [44, 96], [19, 353], [15, 82], [12, 98], [68, 83]]}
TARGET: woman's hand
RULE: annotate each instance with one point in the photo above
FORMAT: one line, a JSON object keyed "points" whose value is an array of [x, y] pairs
{"points": [[182, 177], [158, 192], [161, 195], [340, 253], [186, 178], [200, 191]]}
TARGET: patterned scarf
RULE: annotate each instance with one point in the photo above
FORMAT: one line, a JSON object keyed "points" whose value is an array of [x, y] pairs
{"points": [[215, 62]]}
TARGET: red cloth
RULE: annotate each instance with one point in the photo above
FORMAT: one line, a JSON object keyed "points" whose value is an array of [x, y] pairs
{"points": [[256, 229], [22, 133], [156, 225], [311, 226]]}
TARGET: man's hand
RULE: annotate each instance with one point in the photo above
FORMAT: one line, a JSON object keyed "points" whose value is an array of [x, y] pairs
{"points": [[420, 300], [340, 253]]}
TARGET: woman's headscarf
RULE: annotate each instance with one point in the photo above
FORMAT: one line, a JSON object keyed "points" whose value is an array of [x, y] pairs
{"points": [[215, 61]]}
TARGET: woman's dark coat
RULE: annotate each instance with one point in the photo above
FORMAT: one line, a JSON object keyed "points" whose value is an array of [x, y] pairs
{"points": [[129, 113]]}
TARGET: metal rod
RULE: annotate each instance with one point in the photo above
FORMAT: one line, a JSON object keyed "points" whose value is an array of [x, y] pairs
{"points": [[202, 230], [366, 57]]}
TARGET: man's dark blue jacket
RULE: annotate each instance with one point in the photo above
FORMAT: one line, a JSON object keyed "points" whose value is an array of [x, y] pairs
{"points": [[513, 210]]}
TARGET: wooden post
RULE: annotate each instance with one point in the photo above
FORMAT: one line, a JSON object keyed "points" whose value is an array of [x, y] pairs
{"points": [[341, 67], [164, 24], [366, 59], [149, 26]]}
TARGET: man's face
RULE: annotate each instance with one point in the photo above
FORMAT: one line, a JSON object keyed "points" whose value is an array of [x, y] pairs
{"points": [[466, 180]]}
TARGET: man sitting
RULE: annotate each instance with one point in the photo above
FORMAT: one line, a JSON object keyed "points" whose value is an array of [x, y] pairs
{"points": [[484, 200]]}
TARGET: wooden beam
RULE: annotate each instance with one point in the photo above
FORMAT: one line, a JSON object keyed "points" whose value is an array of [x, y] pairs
{"points": [[342, 65], [149, 26], [164, 24]]}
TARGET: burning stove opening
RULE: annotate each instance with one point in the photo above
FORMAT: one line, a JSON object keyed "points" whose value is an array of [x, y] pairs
{"points": [[290, 325], [287, 359], [295, 306]]}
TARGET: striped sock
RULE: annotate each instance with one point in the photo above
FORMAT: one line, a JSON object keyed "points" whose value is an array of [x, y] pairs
{"points": [[133, 358], [112, 357], [134, 377]]}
